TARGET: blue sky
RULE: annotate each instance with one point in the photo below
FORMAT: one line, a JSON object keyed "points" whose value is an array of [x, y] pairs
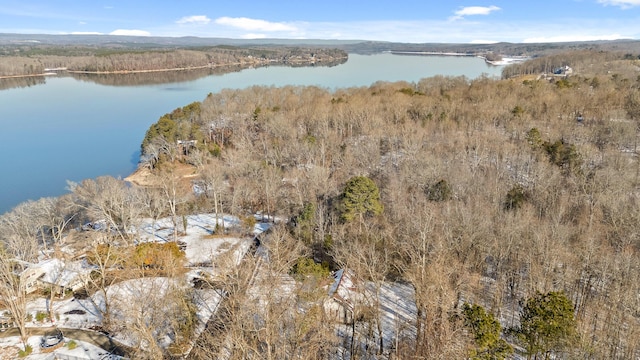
{"points": [[401, 21]]}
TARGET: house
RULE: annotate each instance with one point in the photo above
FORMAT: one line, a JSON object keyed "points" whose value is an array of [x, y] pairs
{"points": [[344, 297], [563, 70], [56, 275], [29, 277], [185, 146], [61, 277]]}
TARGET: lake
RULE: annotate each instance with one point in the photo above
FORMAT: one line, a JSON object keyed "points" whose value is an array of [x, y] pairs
{"points": [[64, 128]]}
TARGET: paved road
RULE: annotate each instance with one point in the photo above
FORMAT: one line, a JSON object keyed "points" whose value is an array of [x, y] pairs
{"points": [[89, 336]]}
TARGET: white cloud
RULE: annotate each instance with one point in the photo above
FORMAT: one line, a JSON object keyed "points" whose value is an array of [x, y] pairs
{"points": [[483, 29], [254, 24], [85, 33], [570, 38], [624, 4], [126, 32], [195, 19], [82, 23], [473, 10]]}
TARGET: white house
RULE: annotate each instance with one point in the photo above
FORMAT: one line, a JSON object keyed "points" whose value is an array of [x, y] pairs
{"points": [[29, 277], [56, 275]]}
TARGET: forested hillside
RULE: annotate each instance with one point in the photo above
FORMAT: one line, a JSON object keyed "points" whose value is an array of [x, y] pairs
{"points": [[588, 63], [503, 194], [541, 180], [33, 60]]}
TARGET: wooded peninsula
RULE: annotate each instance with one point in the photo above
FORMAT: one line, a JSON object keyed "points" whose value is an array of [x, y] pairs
{"points": [[39, 60], [508, 210]]}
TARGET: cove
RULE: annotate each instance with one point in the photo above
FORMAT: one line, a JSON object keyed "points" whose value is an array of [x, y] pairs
{"points": [[72, 128]]}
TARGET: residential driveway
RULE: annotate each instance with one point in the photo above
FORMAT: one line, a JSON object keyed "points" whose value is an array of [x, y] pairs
{"points": [[89, 336]]}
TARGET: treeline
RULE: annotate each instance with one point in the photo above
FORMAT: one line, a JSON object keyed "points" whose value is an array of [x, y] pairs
{"points": [[128, 60], [17, 65], [586, 62], [505, 194], [503, 48]]}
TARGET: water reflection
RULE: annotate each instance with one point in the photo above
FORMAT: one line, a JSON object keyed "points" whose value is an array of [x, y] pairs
{"points": [[152, 78], [21, 82], [168, 77]]}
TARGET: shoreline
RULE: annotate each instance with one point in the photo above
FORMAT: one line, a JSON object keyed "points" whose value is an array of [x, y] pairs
{"points": [[506, 60], [430, 53], [139, 177], [27, 75], [116, 72], [120, 72], [208, 66], [144, 177]]}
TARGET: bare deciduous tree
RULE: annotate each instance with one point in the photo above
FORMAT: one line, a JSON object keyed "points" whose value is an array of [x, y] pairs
{"points": [[13, 292], [111, 200]]}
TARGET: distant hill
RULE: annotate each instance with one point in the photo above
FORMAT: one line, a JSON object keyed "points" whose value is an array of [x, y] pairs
{"points": [[353, 46], [150, 41], [504, 48]]}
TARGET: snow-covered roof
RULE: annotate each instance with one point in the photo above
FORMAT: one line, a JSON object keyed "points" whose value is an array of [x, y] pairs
{"points": [[337, 276], [58, 273], [343, 288]]}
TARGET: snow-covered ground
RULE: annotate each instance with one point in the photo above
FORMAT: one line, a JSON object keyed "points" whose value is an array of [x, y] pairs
{"points": [[206, 252], [10, 346], [397, 314], [203, 245], [397, 311], [146, 300], [127, 299]]}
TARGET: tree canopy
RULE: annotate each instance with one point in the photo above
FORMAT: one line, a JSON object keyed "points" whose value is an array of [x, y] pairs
{"points": [[486, 334], [361, 197], [547, 324]]}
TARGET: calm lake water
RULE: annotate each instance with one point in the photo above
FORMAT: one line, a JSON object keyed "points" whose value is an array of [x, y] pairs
{"points": [[69, 129]]}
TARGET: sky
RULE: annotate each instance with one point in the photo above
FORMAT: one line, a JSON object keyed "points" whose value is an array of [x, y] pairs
{"points": [[412, 21]]}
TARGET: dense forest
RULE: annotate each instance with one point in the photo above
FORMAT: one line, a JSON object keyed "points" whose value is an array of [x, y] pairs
{"points": [[588, 63], [34, 60], [494, 201]]}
